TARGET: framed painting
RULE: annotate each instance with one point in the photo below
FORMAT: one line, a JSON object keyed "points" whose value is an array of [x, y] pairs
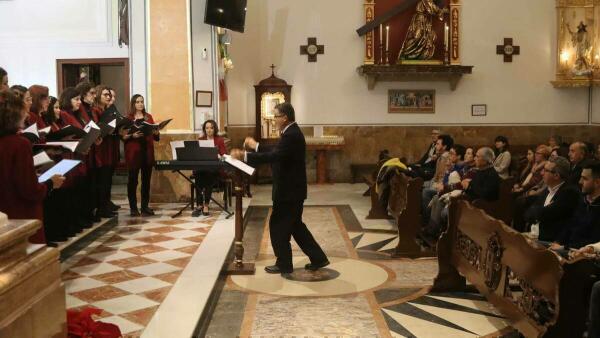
{"points": [[411, 101]]}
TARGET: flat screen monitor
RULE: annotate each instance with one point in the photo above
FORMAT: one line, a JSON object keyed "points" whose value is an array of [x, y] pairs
{"points": [[230, 14]]}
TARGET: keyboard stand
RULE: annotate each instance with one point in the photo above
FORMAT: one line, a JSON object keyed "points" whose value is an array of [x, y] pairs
{"points": [[191, 203]]}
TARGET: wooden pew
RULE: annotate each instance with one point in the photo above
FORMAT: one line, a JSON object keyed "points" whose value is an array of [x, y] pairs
{"points": [[405, 206], [502, 208], [496, 259]]}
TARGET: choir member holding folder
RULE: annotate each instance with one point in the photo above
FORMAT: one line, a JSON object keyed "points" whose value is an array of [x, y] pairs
{"points": [[21, 195], [40, 100], [206, 180], [139, 155], [103, 154]]}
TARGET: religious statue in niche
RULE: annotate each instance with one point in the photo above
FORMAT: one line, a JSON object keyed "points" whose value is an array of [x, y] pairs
{"points": [[583, 49], [578, 44], [419, 43]]}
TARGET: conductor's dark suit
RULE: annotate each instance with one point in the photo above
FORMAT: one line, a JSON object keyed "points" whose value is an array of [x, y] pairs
{"points": [[288, 163]]}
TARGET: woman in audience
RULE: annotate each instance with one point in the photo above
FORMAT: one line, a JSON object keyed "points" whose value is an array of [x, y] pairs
{"points": [[502, 162], [206, 180], [139, 156], [3, 79], [534, 175], [21, 196], [530, 157], [40, 101]]}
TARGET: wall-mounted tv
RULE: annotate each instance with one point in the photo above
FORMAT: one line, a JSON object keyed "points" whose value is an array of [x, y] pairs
{"points": [[230, 14]]}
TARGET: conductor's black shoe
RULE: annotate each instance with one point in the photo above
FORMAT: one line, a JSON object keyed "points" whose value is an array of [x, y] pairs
{"points": [[147, 212], [315, 267], [275, 269]]}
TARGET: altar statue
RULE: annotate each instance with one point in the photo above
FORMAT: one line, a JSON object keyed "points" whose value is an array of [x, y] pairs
{"points": [[582, 46], [419, 43]]}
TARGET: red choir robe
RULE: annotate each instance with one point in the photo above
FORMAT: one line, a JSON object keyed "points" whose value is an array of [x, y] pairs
{"points": [[21, 196], [138, 153], [104, 153]]}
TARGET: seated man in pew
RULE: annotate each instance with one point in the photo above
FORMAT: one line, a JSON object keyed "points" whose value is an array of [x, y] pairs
{"points": [[553, 209], [485, 184], [584, 227], [592, 251], [430, 188]]}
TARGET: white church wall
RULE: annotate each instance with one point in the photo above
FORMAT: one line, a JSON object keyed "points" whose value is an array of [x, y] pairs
{"points": [[34, 33], [331, 92]]}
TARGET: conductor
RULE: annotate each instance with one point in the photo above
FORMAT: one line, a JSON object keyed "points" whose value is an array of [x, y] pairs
{"points": [[288, 163]]}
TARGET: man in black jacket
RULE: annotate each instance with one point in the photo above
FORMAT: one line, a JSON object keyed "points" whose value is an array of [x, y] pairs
{"points": [[486, 182], [288, 164], [584, 228], [554, 208]]}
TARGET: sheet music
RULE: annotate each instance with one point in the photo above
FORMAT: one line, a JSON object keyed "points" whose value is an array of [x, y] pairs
{"points": [[239, 164], [41, 159], [89, 126], [67, 145], [206, 143], [113, 123], [176, 144], [61, 168], [45, 130], [32, 129]]}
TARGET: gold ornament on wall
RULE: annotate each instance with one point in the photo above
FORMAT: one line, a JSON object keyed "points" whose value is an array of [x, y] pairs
{"points": [[578, 43]]}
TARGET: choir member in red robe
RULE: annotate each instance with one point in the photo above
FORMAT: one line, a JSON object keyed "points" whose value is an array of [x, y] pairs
{"points": [[21, 196], [40, 98], [206, 180], [103, 155], [139, 156], [3, 79]]}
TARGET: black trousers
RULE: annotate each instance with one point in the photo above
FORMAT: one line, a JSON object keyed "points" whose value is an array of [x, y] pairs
{"points": [[103, 187], [205, 182], [132, 184], [286, 222]]}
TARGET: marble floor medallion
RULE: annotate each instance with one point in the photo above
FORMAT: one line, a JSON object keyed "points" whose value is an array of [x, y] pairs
{"points": [[353, 276], [303, 275]]}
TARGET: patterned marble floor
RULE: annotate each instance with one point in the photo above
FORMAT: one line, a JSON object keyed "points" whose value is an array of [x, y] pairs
{"points": [[363, 293], [129, 270]]}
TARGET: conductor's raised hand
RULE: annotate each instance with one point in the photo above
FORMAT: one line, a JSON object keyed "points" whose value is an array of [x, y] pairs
{"points": [[238, 154], [250, 143]]}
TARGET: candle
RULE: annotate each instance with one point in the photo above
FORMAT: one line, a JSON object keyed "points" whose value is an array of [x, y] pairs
{"points": [[446, 35], [381, 34], [387, 39]]}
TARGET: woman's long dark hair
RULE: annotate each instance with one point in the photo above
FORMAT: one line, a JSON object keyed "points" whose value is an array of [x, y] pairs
{"points": [[48, 115], [131, 112], [215, 127], [504, 140]]}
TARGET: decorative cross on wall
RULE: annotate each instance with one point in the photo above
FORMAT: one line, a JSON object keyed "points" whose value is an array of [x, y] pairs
{"points": [[312, 49], [508, 50]]}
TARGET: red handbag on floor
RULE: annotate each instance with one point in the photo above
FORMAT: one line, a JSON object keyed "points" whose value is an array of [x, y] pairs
{"points": [[81, 324]]}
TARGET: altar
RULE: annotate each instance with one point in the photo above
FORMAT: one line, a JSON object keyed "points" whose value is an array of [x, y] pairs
{"points": [[322, 145]]}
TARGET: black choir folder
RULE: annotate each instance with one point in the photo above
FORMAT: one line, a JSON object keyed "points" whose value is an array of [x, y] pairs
{"points": [[86, 142], [148, 128], [65, 132]]}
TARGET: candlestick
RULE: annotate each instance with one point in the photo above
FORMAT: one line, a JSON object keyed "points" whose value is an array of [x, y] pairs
{"points": [[387, 43], [446, 35], [380, 34]]}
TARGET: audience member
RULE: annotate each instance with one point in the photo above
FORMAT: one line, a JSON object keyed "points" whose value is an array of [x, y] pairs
{"points": [[431, 188], [553, 209], [3, 79], [532, 175], [503, 157], [584, 228], [578, 153]]}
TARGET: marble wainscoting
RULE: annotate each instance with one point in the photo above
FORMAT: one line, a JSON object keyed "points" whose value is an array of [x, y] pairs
{"points": [[363, 143]]}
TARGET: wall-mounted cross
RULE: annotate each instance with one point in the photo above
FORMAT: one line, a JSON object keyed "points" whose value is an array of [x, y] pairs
{"points": [[508, 50], [312, 49]]}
